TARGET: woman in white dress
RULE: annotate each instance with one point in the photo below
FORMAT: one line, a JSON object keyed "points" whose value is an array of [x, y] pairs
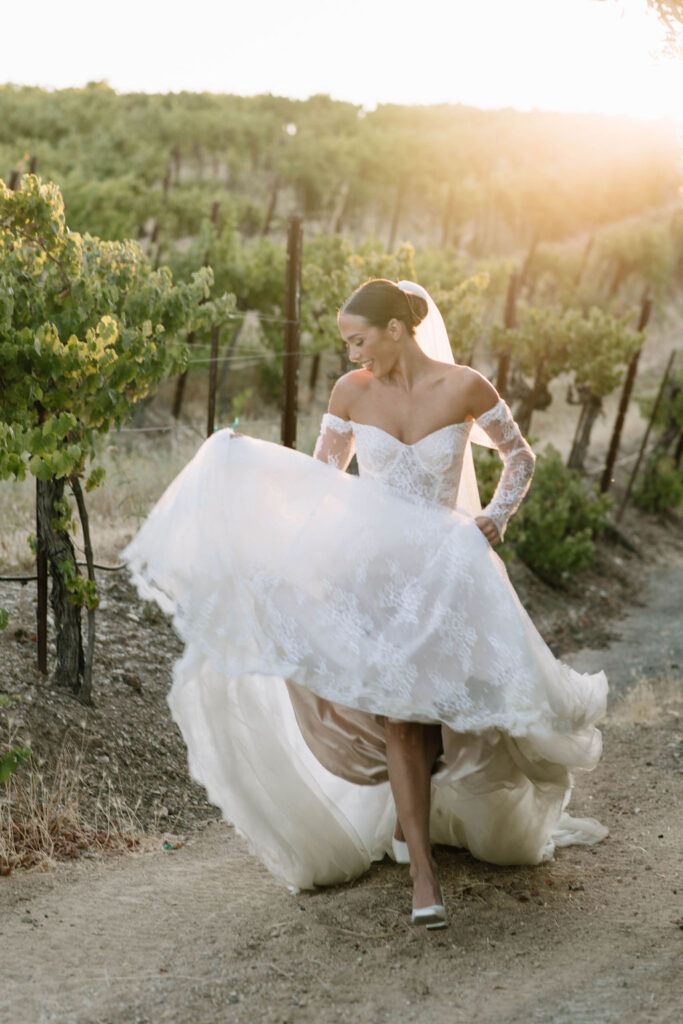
{"points": [[359, 676]]}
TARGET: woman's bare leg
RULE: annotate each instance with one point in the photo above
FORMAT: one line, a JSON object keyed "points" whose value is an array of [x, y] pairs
{"points": [[432, 749], [410, 756]]}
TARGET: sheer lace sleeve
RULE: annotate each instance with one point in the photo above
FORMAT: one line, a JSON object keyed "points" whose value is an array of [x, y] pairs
{"points": [[335, 442], [518, 463]]}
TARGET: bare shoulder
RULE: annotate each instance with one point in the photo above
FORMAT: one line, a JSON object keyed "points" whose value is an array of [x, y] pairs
{"points": [[346, 391], [473, 389]]}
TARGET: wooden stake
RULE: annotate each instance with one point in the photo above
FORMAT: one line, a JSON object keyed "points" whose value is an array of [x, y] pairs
{"points": [[213, 377], [292, 330], [655, 407], [645, 310], [180, 385], [271, 208]]}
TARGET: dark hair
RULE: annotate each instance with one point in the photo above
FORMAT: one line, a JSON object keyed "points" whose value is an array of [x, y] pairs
{"points": [[380, 301]]}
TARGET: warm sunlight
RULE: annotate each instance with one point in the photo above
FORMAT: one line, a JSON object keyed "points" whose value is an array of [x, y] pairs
{"points": [[568, 55]]}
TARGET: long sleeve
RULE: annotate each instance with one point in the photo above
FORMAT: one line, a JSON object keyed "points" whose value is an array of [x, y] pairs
{"points": [[518, 464], [335, 443]]}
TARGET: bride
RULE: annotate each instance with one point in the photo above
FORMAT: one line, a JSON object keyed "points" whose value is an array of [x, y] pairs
{"points": [[359, 676]]}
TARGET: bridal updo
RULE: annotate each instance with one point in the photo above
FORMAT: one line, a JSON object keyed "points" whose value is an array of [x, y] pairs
{"points": [[378, 301]]}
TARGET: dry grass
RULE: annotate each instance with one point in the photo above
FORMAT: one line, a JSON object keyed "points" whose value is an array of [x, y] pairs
{"points": [[649, 702], [41, 819], [139, 467]]}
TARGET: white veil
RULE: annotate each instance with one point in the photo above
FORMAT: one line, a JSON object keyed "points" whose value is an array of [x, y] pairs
{"points": [[432, 337]]}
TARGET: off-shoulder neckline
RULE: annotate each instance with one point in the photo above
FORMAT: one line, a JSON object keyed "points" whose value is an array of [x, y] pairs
{"points": [[413, 444]]}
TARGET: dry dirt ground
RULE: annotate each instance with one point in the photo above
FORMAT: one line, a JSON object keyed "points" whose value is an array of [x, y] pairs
{"points": [[192, 930], [202, 934]]}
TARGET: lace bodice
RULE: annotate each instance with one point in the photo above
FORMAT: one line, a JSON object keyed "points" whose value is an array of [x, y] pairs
{"points": [[430, 469]]}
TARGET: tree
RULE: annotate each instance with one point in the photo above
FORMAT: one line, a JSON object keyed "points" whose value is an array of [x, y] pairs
{"points": [[670, 13], [332, 270], [87, 329], [601, 345], [538, 349]]}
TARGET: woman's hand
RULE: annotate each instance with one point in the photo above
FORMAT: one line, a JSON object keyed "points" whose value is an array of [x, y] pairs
{"points": [[489, 529]]}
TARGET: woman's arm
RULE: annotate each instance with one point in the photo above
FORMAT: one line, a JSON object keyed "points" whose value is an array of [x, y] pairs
{"points": [[493, 415], [335, 444]]}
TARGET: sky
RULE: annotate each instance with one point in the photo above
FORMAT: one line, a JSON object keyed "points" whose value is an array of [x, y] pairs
{"points": [[569, 55]]}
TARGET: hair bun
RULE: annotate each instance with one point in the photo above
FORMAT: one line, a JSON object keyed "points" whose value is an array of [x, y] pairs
{"points": [[418, 307], [379, 300]]}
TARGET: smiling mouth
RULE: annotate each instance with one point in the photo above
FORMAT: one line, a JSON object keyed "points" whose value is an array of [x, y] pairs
{"points": [[367, 364]]}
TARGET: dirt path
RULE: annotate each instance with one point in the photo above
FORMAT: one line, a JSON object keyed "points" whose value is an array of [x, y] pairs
{"points": [[203, 935], [650, 641]]}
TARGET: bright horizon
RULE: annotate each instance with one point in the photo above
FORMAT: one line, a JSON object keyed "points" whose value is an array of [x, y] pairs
{"points": [[556, 55]]}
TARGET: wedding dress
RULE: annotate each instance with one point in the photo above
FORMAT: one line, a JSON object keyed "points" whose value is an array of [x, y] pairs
{"points": [[313, 604]]}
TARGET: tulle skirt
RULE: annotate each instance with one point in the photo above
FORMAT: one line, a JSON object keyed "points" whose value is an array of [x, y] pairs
{"points": [[313, 605]]}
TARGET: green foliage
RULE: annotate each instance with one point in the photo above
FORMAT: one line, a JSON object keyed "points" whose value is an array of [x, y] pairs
{"points": [[83, 592], [333, 269], [63, 518], [480, 283], [553, 530], [594, 346], [670, 409], [486, 178], [11, 761], [87, 329], [601, 344], [95, 478], [239, 403], [462, 308], [638, 254], [660, 488], [4, 618], [542, 336]]}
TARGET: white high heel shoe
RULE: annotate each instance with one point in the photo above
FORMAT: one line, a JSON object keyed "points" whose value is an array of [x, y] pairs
{"points": [[400, 851], [431, 917]]}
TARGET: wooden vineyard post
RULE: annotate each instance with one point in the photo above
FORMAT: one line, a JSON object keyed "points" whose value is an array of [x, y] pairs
{"points": [[180, 384], [645, 310], [313, 376], [292, 330], [182, 378], [678, 454], [271, 208], [655, 407], [213, 377]]}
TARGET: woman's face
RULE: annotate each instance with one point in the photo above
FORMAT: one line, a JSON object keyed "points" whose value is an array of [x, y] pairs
{"points": [[375, 348]]}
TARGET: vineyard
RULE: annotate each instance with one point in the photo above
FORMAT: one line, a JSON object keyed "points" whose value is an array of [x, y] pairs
{"points": [[173, 264], [144, 289], [547, 241]]}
